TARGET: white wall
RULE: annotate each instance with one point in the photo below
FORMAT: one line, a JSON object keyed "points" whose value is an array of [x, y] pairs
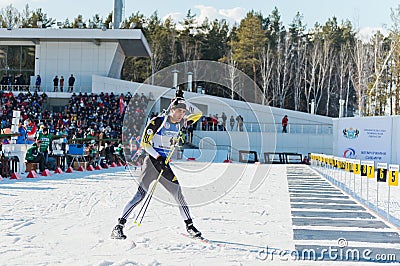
{"points": [[83, 59], [117, 63], [266, 142]]}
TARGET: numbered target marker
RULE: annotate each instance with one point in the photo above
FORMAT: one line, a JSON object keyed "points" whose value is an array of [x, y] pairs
{"points": [[393, 175], [357, 167], [382, 172], [367, 169]]}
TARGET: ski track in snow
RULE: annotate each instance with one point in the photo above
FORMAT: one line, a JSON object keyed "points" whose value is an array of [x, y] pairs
{"points": [[67, 220]]}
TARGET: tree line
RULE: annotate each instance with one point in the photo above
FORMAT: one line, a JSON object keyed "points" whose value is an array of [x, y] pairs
{"points": [[291, 66]]}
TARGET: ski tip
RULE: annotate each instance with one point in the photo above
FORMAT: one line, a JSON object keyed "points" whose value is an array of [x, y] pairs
{"points": [[138, 224], [135, 222]]}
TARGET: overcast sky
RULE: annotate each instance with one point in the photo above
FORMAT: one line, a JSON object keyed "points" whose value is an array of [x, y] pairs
{"points": [[364, 14]]}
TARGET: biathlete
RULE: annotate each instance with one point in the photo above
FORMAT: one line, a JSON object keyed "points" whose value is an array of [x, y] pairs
{"points": [[158, 136]]}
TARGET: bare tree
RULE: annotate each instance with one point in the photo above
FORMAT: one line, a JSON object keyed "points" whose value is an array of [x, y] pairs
{"points": [[11, 16], [343, 63], [350, 69], [325, 70], [307, 91], [287, 71], [361, 73], [315, 57], [395, 66], [377, 92], [233, 75], [282, 77], [266, 67], [330, 88], [299, 65]]}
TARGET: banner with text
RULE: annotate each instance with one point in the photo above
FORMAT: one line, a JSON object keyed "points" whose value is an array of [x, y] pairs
{"points": [[366, 138]]}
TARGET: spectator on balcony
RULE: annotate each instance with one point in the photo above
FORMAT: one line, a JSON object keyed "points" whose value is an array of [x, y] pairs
{"points": [[214, 120], [19, 82], [55, 83], [224, 118], [190, 133], [38, 82], [209, 122], [232, 122], [9, 82], [239, 120], [285, 122], [62, 84], [71, 82], [4, 81]]}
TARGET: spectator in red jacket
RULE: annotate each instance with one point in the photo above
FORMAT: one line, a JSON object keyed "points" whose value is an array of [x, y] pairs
{"points": [[285, 122]]}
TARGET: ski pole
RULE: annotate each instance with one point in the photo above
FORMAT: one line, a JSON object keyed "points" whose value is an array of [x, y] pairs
{"points": [[150, 195]]}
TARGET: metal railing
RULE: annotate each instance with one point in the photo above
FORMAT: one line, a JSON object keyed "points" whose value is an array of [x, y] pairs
{"points": [[32, 88], [293, 128]]}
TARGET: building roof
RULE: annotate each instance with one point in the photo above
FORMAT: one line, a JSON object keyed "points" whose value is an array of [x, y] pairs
{"points": [[132, 41]]}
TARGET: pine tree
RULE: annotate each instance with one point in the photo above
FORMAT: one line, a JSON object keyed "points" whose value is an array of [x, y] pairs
{"points": [[251, 39]]}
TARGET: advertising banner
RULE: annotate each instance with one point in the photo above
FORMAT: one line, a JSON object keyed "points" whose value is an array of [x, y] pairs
{"points": [[366, 138]]}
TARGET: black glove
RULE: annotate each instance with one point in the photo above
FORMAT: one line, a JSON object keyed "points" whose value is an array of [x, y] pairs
{"points": [[161, 163]]}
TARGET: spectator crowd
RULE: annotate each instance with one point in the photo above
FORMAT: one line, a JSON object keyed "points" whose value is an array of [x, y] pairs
{"points": [[85, 115], [18, 83], [7, 82], [219, 123]]}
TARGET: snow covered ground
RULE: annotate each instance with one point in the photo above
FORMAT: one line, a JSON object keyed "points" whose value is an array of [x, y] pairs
{"points": [[67, 219]]}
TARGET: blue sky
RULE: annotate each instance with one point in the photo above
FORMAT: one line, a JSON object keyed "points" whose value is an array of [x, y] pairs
{"points": [[364, 14]]}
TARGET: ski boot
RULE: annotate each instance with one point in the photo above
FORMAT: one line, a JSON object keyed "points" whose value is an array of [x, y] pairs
{"points": [[193, 232], [117, 232]]}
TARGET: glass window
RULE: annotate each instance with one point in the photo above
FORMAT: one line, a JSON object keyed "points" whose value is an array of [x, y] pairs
{"points": [[17, 63], [3, 57]]}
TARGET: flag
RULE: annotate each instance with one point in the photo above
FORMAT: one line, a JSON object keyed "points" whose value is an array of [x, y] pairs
{"points": [[121, 105]]}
